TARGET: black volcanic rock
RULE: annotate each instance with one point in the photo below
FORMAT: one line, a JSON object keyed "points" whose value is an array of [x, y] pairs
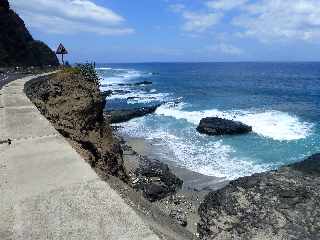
{"points": [[17, 47], [282, 204], [156, 180], [119, 116], [219, 126]]}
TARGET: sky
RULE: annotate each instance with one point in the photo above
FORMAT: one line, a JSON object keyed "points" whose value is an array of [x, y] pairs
{"points": [[176, 30]]}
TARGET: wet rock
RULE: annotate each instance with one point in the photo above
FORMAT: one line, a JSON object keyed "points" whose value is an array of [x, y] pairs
{"points": [[179, 216], [119, 116], [143, 83], [155, 191], [282, 204], [121, 91], [157, 180], [135, 84], [132, 98], [107, 93], [219, 126]]}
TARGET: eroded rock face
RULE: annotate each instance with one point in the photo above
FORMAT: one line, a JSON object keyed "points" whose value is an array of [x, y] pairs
{"points": [[219, 126], [282, 204], [17, 47], [75, 107]]}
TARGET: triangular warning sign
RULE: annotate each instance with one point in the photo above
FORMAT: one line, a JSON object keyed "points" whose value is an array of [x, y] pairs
{"points": [[61, 49]]}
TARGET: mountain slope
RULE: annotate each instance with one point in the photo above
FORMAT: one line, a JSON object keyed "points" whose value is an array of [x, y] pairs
{"points": [[17, 46]]}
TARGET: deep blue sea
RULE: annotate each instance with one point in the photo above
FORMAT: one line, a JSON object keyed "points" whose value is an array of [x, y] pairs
{"points": [[281, 101]]}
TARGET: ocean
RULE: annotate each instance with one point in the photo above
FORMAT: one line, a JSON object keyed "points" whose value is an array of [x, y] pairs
{"points": [[281, 101]]}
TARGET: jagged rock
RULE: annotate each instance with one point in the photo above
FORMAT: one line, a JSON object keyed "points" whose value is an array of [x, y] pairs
{"points": [[155, 191], [135, 84], [219, 126], [282, 204], [143, 83], [179, 216], [157, 181], [119, 116], [17, 47], [106, 93], [121, 91]]}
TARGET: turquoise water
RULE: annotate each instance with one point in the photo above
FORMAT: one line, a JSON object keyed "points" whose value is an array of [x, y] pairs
{"points": [[281, 101]]}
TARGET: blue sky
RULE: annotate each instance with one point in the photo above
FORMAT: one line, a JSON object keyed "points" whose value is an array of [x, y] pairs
{"points": [[177, 30]]}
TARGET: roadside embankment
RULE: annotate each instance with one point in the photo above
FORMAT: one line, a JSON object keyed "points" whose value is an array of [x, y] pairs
{"points": [[72, 102], [74, 105], [47, 189]]}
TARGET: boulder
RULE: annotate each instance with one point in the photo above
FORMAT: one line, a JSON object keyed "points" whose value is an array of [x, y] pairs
{"points": [[179, 216], [219, 126], [281, 204], [157, 181]]}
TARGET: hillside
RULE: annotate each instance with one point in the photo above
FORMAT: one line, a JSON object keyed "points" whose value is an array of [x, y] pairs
{"points": [[17, 46]]}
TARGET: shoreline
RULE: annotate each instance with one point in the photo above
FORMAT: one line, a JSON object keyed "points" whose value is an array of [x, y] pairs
{"points": [[205, 207], [182, 206], [97, 146], [192, 181]]}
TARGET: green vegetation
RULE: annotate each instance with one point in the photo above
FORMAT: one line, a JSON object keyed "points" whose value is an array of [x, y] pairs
{"points": [[86, 70]]}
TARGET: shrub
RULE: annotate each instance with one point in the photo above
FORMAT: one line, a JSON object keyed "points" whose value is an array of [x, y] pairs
{"points": [[86, 70], [89, 73]]}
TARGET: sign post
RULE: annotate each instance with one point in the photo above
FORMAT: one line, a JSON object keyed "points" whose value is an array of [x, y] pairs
{"points": [[62, 51]]}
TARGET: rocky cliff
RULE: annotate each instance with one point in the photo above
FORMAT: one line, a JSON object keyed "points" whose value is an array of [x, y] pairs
{"points": [[72, 102], [282, 204], [17, 47]]}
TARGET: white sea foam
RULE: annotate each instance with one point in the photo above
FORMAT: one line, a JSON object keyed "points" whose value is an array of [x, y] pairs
{"points": [[119, 75], [212, 158], [103, 68], [277, 125], [140, 96]]}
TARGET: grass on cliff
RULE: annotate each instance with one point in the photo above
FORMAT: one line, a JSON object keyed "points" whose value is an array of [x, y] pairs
{"points": [[86, 70]]}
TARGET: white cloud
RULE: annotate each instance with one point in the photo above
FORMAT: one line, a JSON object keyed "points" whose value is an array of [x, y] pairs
{"points": [[70, 16], [270, 20], [227, 49], [226, 4], [198, 22], [177, 7]]}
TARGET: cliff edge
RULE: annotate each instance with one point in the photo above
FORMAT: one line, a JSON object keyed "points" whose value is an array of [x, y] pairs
{"points": [[72, 102], [17, 46]]}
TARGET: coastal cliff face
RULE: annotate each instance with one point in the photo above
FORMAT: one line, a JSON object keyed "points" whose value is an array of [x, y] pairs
{"points": [[74, 105], [17, 47], [282, 204]]}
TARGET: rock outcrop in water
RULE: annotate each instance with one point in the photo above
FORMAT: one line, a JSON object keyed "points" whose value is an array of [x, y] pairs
{"points": [[119, 116], [219, 126], [74, 105], [17, 47], [282, 204]]}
